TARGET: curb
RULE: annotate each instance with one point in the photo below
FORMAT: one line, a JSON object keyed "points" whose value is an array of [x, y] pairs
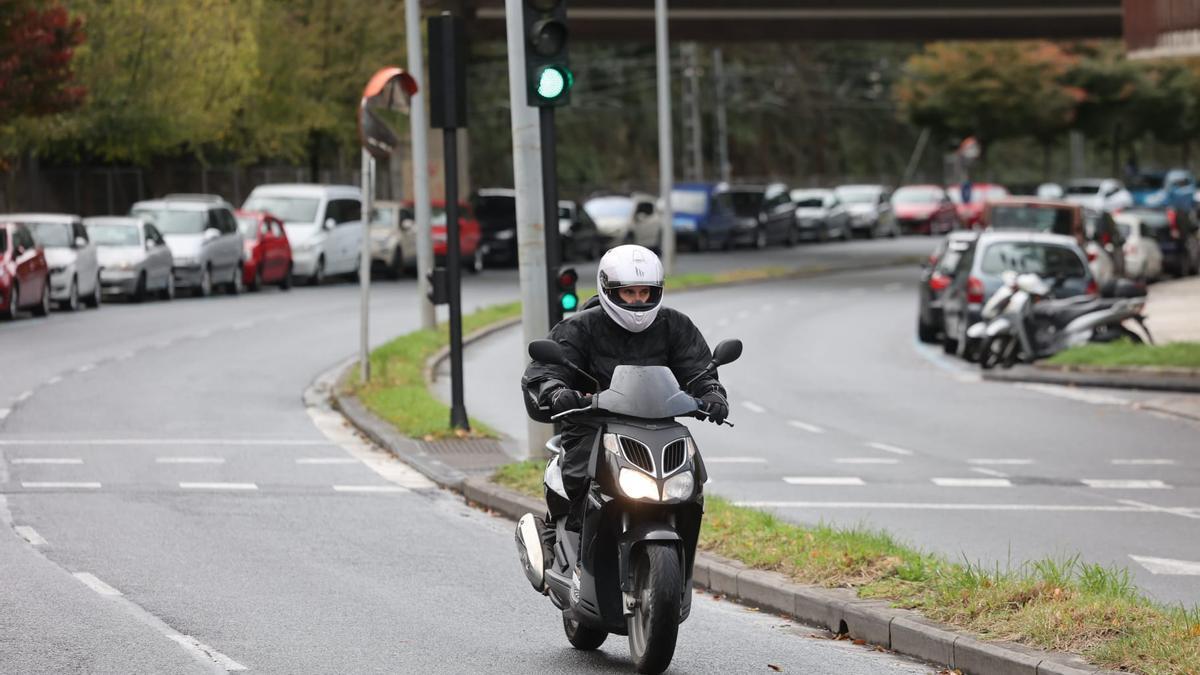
{"points": [[1109, 379]]}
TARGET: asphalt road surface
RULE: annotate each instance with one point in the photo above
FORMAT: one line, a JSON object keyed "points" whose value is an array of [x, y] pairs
{"points": [[842, 417], [172, 502]]}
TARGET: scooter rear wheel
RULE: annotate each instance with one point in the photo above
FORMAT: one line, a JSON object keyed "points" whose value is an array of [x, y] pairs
{"points": [[654, 624], [581, 637]]}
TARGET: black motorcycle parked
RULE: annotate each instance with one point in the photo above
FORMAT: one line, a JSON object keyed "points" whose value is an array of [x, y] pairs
{"points": [[629, 571]]}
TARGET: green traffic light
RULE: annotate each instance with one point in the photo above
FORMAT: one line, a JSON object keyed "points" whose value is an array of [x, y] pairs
{"points": [[569, 302], [553, 83]]}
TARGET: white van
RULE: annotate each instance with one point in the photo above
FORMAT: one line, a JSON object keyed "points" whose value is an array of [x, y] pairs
{"points": [[323, 223]]}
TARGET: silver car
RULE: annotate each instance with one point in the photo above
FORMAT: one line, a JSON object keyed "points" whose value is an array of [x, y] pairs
{"points": [[204, 239], [393, 235], [134, 258], [870, 208], [74, 274]]}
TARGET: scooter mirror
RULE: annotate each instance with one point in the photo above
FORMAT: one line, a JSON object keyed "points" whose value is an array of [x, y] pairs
{"points": [[547, 351], [727, 351]]}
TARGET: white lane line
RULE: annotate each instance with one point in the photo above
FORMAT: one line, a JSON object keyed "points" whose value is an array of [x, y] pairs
{"points": [[889, 448], [971, 482], [866, 460], [60, 484], [999, 462], [96, 585], [218, 486], [753, 407], [30, 535], [189, 460], [735, 460], [1184, 512], [47, 460], [1117, 484], [333, 460], [23, 396], [805, 426], [945, 506], [370, 488], [990, 472], [203, 651], [4, 412], [823, 480], [1143, 462], [1074, 394], [1168, 566], [54, 380], [168, 441], [85, 368]]}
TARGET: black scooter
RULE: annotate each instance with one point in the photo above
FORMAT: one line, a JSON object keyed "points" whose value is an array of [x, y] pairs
{"points": [[629, 571]]}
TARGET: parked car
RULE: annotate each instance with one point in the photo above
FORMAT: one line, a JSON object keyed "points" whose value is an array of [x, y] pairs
{"points": [[870, 209], [1103, 247], [135, 259], [1100, 194], [970, 211], [268, 255], [1174, 189], [496, 210], [577, 233], [203, 237], [820, 215], [936, 275], [742, 206], [778, 215], [980, 269], [924, 209], [626, 219], [24, 273], [1092, 230], [1143, 257], [393, 235], [323, 224], [695, 218], [74, 272], [1176, 235], [470, 237]]}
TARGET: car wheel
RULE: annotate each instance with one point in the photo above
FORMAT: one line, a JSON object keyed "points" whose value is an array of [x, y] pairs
{"points": [[168, 292], [256, 283], [396, 269], [760, 238], [43, 308], [926, 332], [238, 283], [793, 237], [96, 297], [475, 264], [71, 304], [139, 292], [286, 283], [14, 295], [318, 275]]}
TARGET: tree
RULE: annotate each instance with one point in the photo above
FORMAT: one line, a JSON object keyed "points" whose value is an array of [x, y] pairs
{"points": [[37, 47]]}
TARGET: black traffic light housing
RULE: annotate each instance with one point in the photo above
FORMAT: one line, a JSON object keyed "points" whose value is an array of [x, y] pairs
{"points": [[439, 286], [568, 298], [548, 74]]}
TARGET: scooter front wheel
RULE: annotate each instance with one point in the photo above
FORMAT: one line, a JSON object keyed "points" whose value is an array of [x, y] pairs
{"points": [[581, 637], [654, 624]]}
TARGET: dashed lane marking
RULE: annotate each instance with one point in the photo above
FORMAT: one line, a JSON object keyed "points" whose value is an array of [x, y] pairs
{"points": [[370, 488], [218, 486], [30, 535], [23, 396], [823, 480], [972, 482], [189, 460], [95, 584], [805, 426], [4, 412], [946, 506], [1119, 484], [54, 380], [1167, 566], [889, 448], [999, 462], [204, 652], [334, 460], [753, 407], [866, 460], [85, 368], [51, 485], [1184, 512], [46, 460], [1143, 462], [990, 472], [735, 460]]}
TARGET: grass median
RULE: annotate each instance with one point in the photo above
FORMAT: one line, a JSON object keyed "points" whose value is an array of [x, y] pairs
{"points": [[1056, 603], [1126, 354]]}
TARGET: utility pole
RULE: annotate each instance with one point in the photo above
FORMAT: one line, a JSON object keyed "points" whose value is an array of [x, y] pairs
{"points": [[666, 164], [364, 266], [693, 130], [723, 168], [419, 130]]}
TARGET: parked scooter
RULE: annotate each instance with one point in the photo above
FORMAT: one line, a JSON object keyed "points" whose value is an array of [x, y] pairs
{"points": [[629, 571], [1021, 323]]}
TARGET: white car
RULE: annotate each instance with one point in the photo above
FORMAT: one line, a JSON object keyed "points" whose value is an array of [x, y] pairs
{"points": [[1143, 257], [206, 244], [621, 219], [1100, 194], [74, 271], [323, 223]]}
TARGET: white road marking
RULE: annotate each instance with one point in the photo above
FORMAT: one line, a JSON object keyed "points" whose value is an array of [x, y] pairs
{"points": [[753, 407], [971, 482], [204, 652], [805, 426], [1185, 512], [333, 425], [735, 460], [23, 396], [990, 472], [218, 486], [189, 460], [1168, 566], [999, 462], [1143, 462], [370, 488], [165, 441], [4, 412], [203, 334], [163, 344], [1117, 484], [30, 535], [54, 380], [85, 368], [125, 356], [1075, 394], [823, 480], [334, 460], [96, 585], [866, 460], [60, 484], [947, 506], [47, 460], [889, 448]]}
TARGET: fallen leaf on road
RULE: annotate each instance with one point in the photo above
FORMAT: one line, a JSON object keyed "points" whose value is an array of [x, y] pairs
{"points": [[775, 668], [860, 642]]}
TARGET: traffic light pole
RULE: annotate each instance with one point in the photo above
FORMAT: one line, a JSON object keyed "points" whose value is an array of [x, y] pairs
{"points": [[550, 211], [458, 408]]}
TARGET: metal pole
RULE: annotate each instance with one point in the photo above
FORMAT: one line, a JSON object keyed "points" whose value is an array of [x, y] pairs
{"points": [[527, 179], [695, 131], [364, 266], [666, 168], [550, 212], [458, 409], [916, 155], [419, 130], [724, 168]]}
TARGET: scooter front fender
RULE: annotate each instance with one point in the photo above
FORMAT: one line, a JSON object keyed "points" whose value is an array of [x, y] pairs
{"points": [[977, 330], [629, 541]]}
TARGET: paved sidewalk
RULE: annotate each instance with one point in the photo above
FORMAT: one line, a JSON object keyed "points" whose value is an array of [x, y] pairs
{"points": [[1174, 310]]}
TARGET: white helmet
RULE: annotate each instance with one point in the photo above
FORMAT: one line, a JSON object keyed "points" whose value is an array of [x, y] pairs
{"points": [[626, 266]]}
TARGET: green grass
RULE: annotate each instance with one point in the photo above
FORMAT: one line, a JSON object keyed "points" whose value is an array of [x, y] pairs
{"points": [[1054, 603], [1124, 353]]}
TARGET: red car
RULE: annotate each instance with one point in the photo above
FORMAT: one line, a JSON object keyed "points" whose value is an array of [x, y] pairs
{"points": [[970, 213], [268, 257], [469, 234], [24, 274], [924, 209]]}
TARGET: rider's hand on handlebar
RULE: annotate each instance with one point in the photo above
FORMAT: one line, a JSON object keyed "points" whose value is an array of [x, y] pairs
{"points": [[715, 406], [568, 399]]}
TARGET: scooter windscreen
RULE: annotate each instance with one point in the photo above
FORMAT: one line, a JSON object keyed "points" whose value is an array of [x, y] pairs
{"points": [[648, 392]]}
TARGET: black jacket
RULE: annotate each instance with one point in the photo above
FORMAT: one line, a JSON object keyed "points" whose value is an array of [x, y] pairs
{"points": [[598, 345]]}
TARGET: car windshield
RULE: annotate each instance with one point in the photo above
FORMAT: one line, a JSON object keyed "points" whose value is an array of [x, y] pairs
{"points": [[1054, 219], [1083, 188], [1045, 260], [287, 209], [609, 207], [692, 202], [648, 392], [918, 195], [809, 199], [248, 226], [745, 203], [385, 217], [169, 221], [51, 235], [857, 195], [497, 210], [109, 234]]}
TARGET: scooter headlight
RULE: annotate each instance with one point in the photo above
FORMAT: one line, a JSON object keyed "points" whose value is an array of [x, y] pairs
{"points": [[679, 487], [637, 485]]}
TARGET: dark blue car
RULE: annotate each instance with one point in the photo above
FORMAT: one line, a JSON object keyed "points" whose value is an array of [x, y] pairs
{"points": [[697, 221], [1170, 189]]}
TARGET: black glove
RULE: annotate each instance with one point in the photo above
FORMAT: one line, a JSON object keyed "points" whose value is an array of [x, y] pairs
{"points": [[715, 406], [566, 399]]}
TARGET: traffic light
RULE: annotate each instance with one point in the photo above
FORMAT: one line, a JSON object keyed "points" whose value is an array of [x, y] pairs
{"points": [[568, 299], [439, 288], [547, 74]]}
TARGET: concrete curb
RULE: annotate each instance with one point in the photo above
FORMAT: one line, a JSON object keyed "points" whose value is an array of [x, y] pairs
{"points": [[1162, 380]]}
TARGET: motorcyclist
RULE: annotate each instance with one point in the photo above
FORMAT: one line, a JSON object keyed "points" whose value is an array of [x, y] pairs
{"points": [[630, 326]]}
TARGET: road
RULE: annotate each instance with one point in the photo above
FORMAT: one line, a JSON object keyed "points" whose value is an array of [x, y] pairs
{"points": [[842, 417], [173, 501]]}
